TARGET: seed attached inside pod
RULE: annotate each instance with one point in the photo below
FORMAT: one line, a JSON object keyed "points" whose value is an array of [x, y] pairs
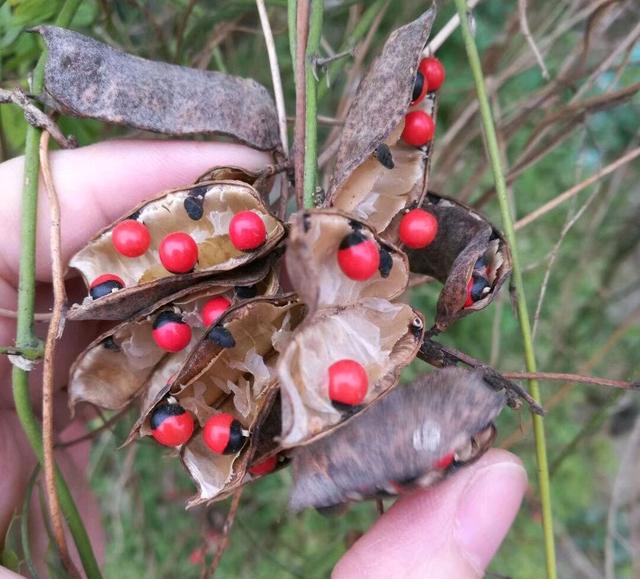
{"points": [[418, 228], [477, 288], [265, 467], [223, 434], [445, 462], [170, 332], [131, 238], [433, 71], [171, 425], [178, 252], [358, 257], [420, 87], [348, 382], [419, 129], [213, 309], [105, 284], [247, 231]]}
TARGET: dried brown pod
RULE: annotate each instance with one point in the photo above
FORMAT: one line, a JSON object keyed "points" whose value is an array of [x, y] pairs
{"points": [[381, 336], [116, 367], [467, 247], [86, 78], [234, 360], [376, 173], [203, 211], [413, 437], [312, 265]]}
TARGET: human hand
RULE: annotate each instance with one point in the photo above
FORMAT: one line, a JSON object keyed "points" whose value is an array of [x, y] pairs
{"points": [[452, 530]]}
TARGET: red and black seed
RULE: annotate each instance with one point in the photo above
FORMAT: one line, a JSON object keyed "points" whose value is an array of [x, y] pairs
{"points": [[384, 156], [480, 288], [236, 438], [417, 87], [105, 288], [352, 239], [222, 337], [168, 316], [164, 411], [246, 292], [386, 262], [194, 207]]}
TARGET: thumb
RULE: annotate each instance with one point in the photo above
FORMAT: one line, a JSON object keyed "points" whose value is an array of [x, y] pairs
{"points": [[451, 530]]}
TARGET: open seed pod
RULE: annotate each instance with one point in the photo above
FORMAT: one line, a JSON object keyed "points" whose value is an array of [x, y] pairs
{"points": [[413, 437], [235, 358], [312, 258], [87, 78], [379, 336], [202, 214], [117, 365], [377, 173], [468, 255]]}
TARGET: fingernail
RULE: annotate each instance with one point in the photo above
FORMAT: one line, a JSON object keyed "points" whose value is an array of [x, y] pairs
{"points": [[486, 510]]}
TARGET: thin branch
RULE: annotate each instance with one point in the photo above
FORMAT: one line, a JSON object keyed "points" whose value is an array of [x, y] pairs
{"points": [[523, 314], [580, 379], [106, 424], [275, 74], [53, 333], [28, 353], [226, 530], [35, 117], [524, 26], [302, 31], [447, 30], [569, 193]]}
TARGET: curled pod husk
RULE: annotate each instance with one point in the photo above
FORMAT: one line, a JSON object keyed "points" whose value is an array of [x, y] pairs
{"points": [[118, 365], [381, 336], [376, 173], [467, 246], [203, 211], [233, 360], [86, 78], [398, 443], [312, 261]]}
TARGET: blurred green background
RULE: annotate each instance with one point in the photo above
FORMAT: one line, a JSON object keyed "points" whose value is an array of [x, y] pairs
{"points": [[554, 136]]}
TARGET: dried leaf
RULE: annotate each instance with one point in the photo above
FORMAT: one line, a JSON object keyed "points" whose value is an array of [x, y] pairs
{"points": [[363, 183], [87, 78], [116, 366], [312, 266], [466, 247], [397, 444], [381, 336], [144, 276]]}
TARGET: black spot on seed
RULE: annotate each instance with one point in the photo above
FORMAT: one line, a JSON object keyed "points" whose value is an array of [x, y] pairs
{"points": [[306, 222], [383, 154], [246, 292], [354, 238], [222, 337], [386, 262], [164, 411], [433, 198], [110, 344], [194, 207], [355, 225], [135, 215], [236, 438], [200, 191], [417, 86], [104, 289], [480, 288], [166, 317], [347, 409]]}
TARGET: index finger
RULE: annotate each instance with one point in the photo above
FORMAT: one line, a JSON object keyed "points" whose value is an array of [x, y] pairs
{"points": [[99, 183]]}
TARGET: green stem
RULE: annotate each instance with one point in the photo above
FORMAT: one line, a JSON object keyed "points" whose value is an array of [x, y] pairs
{"points": [[28, 353], [311, 108], [523, 314], [360, 30], [25, 337]]}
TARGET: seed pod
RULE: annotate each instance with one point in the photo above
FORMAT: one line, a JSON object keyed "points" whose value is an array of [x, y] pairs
{"points": [[380, 336], [417, 426], [363, 184], [466, 246], [86, 78], [145, 278], [119, 364], [314, 241]]}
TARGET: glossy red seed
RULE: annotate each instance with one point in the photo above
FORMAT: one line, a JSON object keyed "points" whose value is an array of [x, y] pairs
{"points": [[178, 252], [359, 260], [419, 129], [348, 382], [247, 231], [172, 335], [220, 433], [171, 429], [105, 278], [469, 301], [418, 228], [265, 467], [445, 461], [213, 309], [433, 71], [131, 238]]}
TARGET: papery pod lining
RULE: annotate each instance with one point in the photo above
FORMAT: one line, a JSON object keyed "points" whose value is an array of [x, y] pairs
{"points": [[415, 425], [87, 78], [312, 261], [381, 336], [221, 200]]}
